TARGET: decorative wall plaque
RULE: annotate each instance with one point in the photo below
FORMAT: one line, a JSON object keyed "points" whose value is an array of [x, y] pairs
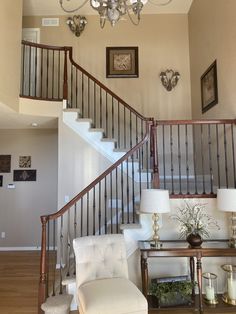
{"points": [[24, 175], [25, 161], [5, 163]]}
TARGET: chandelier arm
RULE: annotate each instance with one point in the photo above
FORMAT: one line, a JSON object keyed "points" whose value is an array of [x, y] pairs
{"points": [[73, 10], [160, 4], [132, 20]]}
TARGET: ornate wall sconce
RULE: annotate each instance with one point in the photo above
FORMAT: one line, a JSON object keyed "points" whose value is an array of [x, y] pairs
{"points": [[76, 24], [169, 79]]}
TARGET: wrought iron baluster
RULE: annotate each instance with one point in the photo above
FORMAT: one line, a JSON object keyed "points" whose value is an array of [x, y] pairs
{"points": [[203, 168], [179, 160], [195, 160], [118, 141], [59, 74], [226, 159], [163, 154], [133, 188], [48, 255], [218, 155], [122, 193], [76, 89], [95, 105], [130, 129], [99, 208], [55, 256], [106, 106], [187, 158], [36, 71], [23, 72], [210, 157], [117, 212], [47, 77], [61, 252], [71, 87], [94, 211], [112, 118], [100, 106], [41, 72], [111, 202], [53, 61], [105, 200], [127, 190], [82, 95], [171, 161], [81, 216], [233, 153], [89, 113], [29, 69], [124, 128], [87, 220]]}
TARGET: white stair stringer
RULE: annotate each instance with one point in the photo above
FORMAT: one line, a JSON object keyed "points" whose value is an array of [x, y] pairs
{"points": [[105, 146], [93, 136]]}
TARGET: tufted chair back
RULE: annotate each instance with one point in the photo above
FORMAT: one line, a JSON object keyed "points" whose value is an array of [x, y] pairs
{"points": [[99, 257]]}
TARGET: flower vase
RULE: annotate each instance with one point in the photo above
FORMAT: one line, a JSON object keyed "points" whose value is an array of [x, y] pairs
{"points": [[194, 240]]}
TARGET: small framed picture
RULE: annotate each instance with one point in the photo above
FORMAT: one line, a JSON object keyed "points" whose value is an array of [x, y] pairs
{"points": [[25, 161], [24, 175], [5, 163], [122, 62], [209, 90], [1, 180]]}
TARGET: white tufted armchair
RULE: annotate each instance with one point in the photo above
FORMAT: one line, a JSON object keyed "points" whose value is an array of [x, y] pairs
{"points": [[102, 280]]}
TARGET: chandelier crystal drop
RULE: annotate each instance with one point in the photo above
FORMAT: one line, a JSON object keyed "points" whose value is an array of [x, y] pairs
{"points": [[113, 10]]}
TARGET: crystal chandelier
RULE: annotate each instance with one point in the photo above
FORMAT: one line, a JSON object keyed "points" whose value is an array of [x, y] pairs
{"points": [[113, 10]]}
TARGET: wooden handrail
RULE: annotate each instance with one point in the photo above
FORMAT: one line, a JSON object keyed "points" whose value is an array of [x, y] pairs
{"points": [[204, 121], [43, 46]]}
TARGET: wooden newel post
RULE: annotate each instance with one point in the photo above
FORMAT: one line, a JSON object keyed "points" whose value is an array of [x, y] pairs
{"points": [[154, 153], [43, 267], [65, 77]]}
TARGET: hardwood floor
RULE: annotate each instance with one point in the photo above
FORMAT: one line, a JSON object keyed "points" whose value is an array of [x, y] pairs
{"points": [[19, 282], [19, 276]]}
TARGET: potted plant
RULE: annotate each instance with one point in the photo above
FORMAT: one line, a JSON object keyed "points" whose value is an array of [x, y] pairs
{"points": [[172, 293], [194, 223]]}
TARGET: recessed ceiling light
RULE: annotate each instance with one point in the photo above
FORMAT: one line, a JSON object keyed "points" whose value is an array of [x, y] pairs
{"points": [[34, 124]]}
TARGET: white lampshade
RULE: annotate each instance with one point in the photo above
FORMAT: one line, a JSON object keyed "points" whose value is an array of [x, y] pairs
{"points": [[154, 201], [226, 200]]}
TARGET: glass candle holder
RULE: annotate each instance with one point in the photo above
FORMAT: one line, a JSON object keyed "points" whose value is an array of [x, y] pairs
{"points": [[210, 288], [229, 295]]}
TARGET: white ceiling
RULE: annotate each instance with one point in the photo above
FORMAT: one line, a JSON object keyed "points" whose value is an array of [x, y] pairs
{"points": [[10, 119], [52, 7]]}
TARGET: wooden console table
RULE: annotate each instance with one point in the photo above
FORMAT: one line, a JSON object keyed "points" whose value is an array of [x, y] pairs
{"points": [[210, 248]]}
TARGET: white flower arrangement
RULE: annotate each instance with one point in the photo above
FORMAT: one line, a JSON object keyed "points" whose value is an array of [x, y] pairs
{"points": [[193, 219]]}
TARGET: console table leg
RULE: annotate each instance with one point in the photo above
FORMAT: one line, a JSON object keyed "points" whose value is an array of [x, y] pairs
{"points": [[192, 272], [144, 272], [199, 279]]}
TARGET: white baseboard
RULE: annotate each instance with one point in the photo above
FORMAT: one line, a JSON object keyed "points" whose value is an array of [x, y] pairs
{"points": [[23, 248], [20, 248]]}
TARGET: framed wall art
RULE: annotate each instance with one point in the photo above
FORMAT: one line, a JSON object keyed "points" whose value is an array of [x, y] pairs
{"points": [[209, 90], [24, 175], [1, 180], [122, 62], [5, 163], [25, 161]]}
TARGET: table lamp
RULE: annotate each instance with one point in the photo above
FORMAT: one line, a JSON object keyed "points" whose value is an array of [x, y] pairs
{"points": [[155, 201], [226, 201]]}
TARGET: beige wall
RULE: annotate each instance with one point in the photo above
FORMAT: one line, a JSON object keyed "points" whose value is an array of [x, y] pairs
{"points": [[212, 33], [163, 43], [10, 56], [20, 208]]}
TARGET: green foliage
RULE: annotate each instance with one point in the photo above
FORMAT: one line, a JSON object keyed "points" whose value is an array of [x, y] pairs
{"points": [[166, 289]]}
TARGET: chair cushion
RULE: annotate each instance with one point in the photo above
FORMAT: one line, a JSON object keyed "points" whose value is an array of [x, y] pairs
{"points": [[100, 257], [112, 295]]}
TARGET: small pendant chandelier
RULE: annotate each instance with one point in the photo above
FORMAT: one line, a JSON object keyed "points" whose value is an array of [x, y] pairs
{"points": [[113, 10]]}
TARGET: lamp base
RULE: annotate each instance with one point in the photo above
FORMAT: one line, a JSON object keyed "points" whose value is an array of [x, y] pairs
{"points": [[212, 302], [156, 244], [227, 300]]}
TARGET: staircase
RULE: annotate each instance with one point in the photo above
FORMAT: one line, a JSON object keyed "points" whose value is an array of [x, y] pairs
{"points": [[189, 158]]}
